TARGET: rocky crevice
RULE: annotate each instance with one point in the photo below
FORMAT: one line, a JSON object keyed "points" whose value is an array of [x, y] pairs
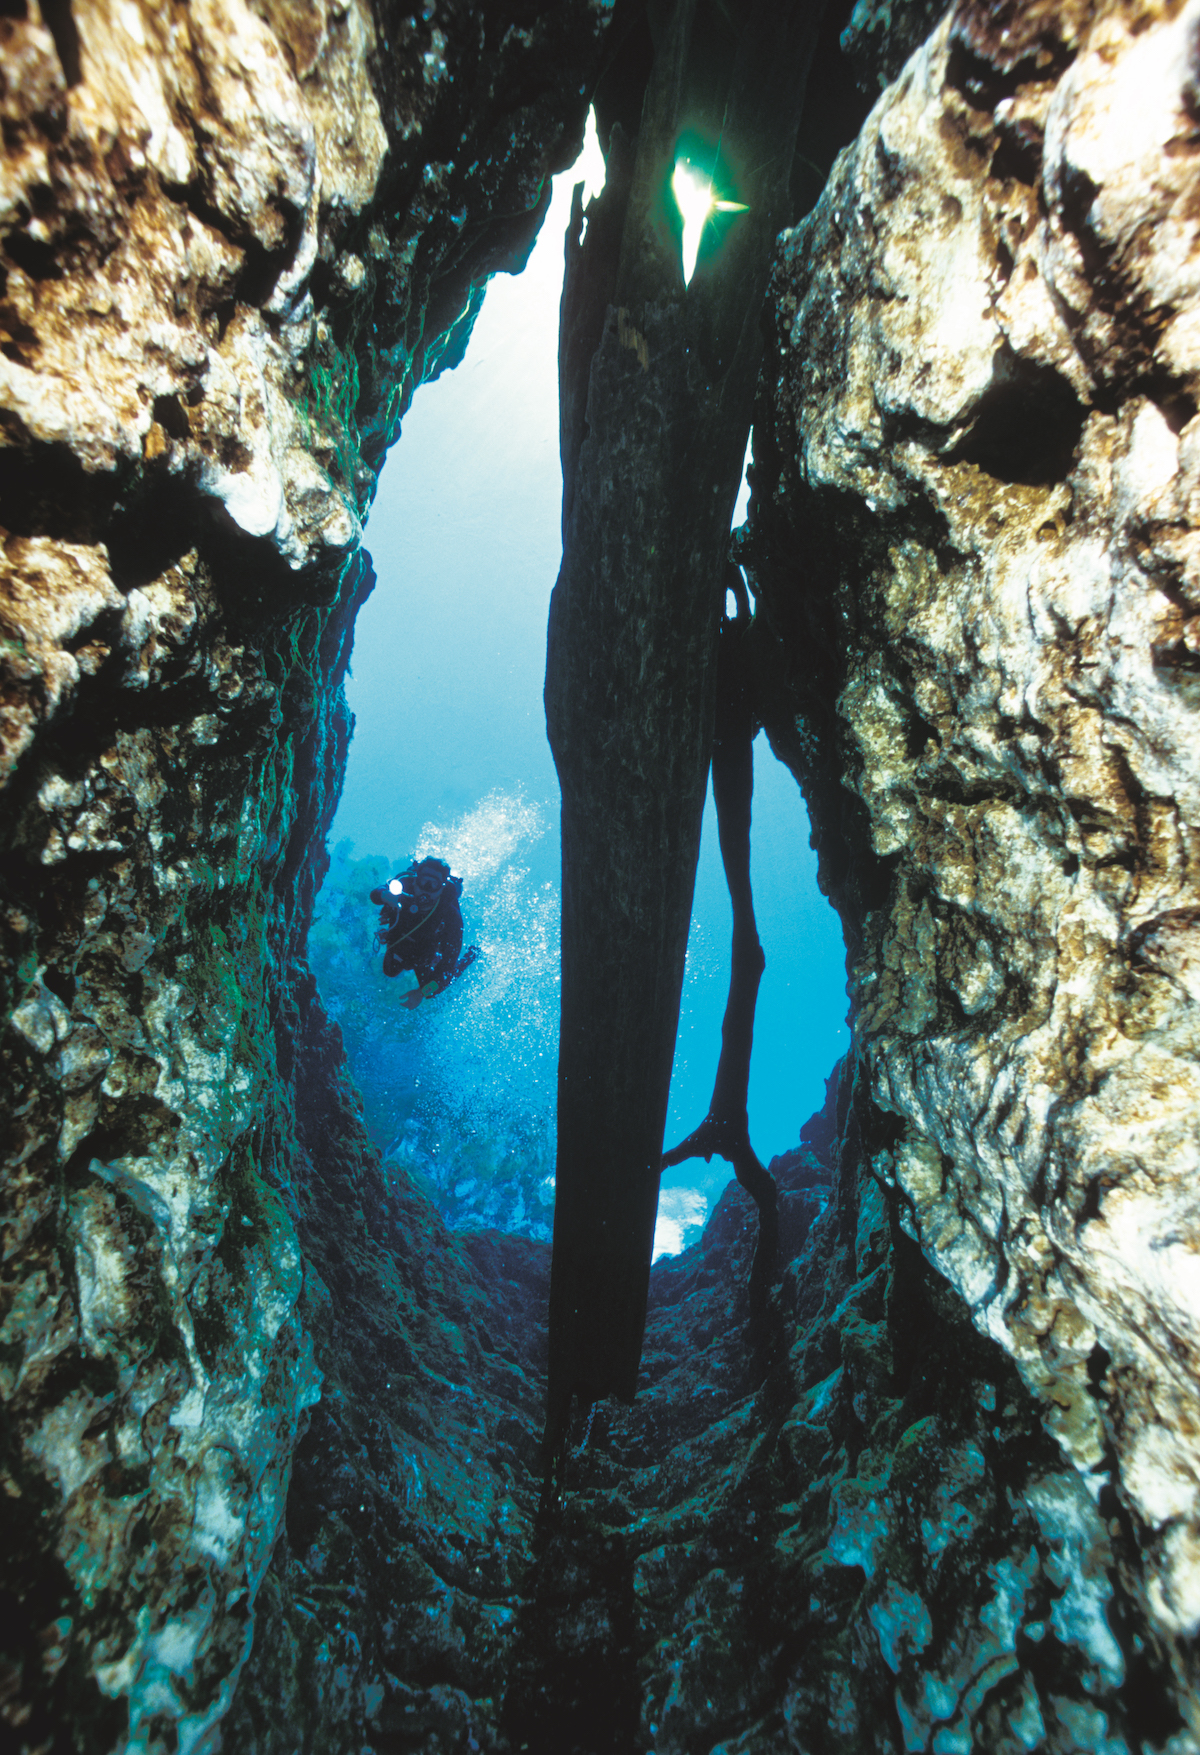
{"points": [[974, 469], [256, 1397], [841, 1527]]}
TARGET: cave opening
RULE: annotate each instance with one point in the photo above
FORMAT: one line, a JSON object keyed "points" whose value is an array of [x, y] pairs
{"points": [[449, 755]]}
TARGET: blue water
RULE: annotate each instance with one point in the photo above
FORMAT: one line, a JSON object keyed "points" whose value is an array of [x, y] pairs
{"points": [[450, 751]]}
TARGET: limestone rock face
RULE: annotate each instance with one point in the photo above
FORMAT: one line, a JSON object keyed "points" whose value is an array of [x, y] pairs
{"points": [[233, 238], [975, 505], [841, 1528]]}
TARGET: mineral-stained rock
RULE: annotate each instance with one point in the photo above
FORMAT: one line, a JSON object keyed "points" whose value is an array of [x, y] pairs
{"points": [[233, 238], [977, 470]]}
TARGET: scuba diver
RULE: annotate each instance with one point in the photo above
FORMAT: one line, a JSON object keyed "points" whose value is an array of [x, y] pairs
{"points": [[421, 926]]}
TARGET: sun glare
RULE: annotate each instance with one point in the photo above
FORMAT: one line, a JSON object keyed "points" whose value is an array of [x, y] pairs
{"points": [[693, 193], [695, 198]]}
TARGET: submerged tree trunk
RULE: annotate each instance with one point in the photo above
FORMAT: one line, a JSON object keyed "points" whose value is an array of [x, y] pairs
{"points": [[725, 1130], [657, 384]]}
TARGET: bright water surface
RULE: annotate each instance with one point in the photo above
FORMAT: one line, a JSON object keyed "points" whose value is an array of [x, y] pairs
{"points": [[450, 755]]}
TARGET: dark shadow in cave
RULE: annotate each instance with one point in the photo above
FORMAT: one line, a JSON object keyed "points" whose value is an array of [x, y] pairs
{"points": [[1027, 426]]}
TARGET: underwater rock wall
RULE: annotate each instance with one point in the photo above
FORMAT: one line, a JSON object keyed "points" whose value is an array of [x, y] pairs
{"points": [[235, 237], [977, 461], [844, 1531], [386, 1619], [841, 1530]]}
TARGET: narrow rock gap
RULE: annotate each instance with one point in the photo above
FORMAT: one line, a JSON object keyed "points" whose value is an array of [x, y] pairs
{"points": [[727, 1250], [840, 1520], [377, 804]]}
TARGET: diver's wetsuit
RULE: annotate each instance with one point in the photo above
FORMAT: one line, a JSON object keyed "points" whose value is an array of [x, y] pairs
{"points": [[423, 933]]}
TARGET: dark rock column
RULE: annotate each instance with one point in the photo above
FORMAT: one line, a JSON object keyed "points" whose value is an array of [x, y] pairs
{"points": [[657, 387]]}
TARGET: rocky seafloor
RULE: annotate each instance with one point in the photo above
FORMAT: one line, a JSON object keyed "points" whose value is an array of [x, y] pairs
{"points": [[268, 1446]]}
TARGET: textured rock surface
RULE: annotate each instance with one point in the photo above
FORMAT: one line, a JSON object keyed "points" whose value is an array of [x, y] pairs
{"points": [[845, 1531], [977, 470], [234, 239], [386, 1620]]}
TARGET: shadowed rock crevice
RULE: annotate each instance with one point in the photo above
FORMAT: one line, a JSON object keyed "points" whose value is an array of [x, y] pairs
{"points": [[1027, 427], [787, 1535]]}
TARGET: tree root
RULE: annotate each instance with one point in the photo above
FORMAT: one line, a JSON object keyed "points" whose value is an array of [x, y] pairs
{"points": [[725, 1130]]}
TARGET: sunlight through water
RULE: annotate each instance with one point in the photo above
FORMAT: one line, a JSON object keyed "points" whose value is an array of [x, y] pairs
{"points": [[462, 1090], [449, 756], [697, 203]]}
